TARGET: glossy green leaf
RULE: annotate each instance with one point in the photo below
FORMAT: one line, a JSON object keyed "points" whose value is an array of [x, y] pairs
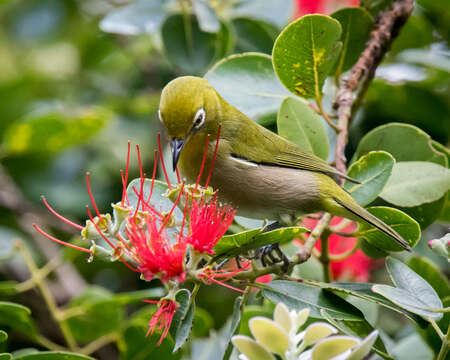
{"points": [[298, 123], [140, 17], [333, 346], [430, 273], [413, 183], [356, 25], [298, 296], [5, 356], [206, 16], [371, 250], [240, 243], [101, 314], [358, 328], [18, 317], [305, 52], [254, 35], [406, 226], [364, 291], [182, 319], [251, 349], [396, 139], [372, 170], [277, 13], [3, 336], [415, 293], [195, 50], [55, 130], [248, 82], [53, 355]]}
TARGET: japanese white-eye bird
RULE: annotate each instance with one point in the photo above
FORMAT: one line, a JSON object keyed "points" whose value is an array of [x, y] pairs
{"points": [[256, 171]]}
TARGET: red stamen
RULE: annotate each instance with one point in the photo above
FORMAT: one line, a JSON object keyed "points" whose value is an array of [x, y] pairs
{"points": [[142, 179], [212, 279], [124, 194], [128, 265], [214, 156], [205, 153], [60, 241], [98, 229], [67, 221], [147, 205], [91, 196], [162, 162], [155, 165]]}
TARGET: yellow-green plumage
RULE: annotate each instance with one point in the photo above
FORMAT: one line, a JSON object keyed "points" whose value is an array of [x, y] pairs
{"points": [[258, 172]]}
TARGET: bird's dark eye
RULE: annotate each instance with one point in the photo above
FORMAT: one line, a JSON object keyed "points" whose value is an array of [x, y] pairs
{"points": [[199, 118]]}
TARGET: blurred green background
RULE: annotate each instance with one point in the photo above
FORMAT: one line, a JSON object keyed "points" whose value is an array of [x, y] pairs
{"points": [[72, 95]]}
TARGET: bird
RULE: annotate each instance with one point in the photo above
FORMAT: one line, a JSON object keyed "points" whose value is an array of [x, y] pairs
{"points": [[261, 174]]}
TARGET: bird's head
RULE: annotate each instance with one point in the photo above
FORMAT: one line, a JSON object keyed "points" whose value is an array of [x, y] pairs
{"points": [[189, 107]]}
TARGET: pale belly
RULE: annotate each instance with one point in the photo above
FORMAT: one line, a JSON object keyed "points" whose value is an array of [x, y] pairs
{"points": [[266, 192]]}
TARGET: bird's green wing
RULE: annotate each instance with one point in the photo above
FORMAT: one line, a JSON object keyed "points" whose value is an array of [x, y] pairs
{"points": [[262, 146]]}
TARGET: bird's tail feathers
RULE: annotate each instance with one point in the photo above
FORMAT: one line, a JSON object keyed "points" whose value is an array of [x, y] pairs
{"points": [[363, 214]]}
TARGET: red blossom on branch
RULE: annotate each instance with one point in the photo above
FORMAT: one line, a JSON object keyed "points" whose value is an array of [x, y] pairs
{"points": [[209, 222], [162, 319], [322, 6], [355, 267]]}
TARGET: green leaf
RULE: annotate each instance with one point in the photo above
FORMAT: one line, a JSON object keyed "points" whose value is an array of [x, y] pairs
{"points": [[299, 123], [417, 33], [412, 291], [3, 336], [102, 314], [5, 356], [364, 291], [269, 334], [141, 17], [406, 226], [206, 16], [241, 243], [8, 287], [188, 47], [412, 347], [17, 317], [182, 319], [413, 183], [277, 13], [54, 131], [430, 273], [396, 139], [203, 322], [297, 296], [356, 25], [248, 82], [53, 355], [251, 349], [253, 35], [305, 52], [372, 170], [358, 328]]}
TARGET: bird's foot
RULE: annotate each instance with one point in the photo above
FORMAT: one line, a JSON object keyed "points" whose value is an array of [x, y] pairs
{"points": [[272, 254]]}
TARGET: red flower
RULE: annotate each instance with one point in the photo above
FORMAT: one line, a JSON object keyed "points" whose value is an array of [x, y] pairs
{"points": [[162, 319], [322, 6], [355, 267], [209, 222]]}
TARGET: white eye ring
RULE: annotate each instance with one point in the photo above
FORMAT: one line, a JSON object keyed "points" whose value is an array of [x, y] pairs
{"points": [[160, 115], [199, 118]]}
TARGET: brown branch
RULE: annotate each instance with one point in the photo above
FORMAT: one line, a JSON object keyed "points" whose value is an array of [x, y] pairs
{"points": [[11, 197], [387, 26]]}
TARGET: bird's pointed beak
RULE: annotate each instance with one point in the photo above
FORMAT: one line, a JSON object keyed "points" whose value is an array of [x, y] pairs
{"points": [[176, 145]]}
